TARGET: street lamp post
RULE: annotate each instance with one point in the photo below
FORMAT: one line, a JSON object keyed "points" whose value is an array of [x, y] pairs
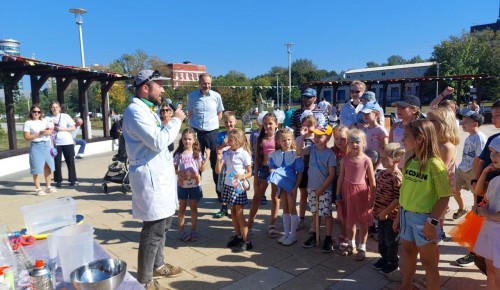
{"points": [[437, 74], [289, 50], [79, 21], [277, 91], [437, 81]]}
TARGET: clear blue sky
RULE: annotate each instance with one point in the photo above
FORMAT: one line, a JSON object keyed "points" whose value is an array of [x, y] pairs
{"points": [[246, 36]]}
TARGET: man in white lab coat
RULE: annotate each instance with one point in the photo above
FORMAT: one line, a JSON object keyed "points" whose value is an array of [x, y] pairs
{"points": [[151, 174]]}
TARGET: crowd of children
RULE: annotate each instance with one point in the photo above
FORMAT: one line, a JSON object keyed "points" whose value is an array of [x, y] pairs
{"points": [[402, 180]]}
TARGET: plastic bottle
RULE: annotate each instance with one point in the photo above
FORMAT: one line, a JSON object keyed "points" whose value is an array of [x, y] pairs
{"points": [[41, 277], [6, 279]]}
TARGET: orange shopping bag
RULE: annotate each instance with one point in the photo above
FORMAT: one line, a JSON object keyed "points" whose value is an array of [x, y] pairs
{"points": [[466, 232]]}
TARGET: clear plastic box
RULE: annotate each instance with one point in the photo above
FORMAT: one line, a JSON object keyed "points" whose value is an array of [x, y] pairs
{"points": [[49, 216]]}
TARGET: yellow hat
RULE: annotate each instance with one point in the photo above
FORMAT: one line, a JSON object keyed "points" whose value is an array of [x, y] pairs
{"points": [[320, 130]]}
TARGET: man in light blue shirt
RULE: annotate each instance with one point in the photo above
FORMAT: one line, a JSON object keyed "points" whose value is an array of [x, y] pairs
{"points": [[204, 110]]}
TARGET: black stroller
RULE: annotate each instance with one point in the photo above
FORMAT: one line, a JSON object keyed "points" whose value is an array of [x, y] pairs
{"points": [[118, 169]]}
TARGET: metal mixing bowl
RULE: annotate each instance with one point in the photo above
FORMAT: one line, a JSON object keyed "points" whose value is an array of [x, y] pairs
{"points": [[106, 274]]}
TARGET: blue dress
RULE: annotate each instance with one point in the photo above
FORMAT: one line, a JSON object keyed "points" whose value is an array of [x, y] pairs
{"points": [[286, 166]]}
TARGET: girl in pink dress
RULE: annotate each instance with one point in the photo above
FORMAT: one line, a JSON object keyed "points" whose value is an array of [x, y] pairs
{"points": [[357, 190]]}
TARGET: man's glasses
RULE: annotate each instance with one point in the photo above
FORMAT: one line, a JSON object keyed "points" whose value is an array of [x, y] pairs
{"points": [[155, 74], [36, 112], [355, 92]]}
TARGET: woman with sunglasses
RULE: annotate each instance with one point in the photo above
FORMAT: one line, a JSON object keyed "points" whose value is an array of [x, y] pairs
{"points": [[351, 108], [63, 126], [165, 115], [37, 131]]}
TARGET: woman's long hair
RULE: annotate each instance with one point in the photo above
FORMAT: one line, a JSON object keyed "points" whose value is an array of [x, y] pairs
{"points": [[258, 153], [427, 147], [446, 125]]}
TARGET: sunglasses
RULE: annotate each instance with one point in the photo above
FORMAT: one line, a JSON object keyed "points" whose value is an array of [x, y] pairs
{"points": [[165, 110], [155, 74], [355, 92], [36, 112]]}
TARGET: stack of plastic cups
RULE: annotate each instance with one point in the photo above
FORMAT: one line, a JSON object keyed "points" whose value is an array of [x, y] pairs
{"points": [[52, 262]]}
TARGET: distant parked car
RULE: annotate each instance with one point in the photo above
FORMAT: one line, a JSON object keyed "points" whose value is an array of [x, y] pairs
{"points": [[98, 115]]}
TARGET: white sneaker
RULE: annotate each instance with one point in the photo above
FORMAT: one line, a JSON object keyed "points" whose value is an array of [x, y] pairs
{"points": [[289, 241], [80, 156], [282, 239]]}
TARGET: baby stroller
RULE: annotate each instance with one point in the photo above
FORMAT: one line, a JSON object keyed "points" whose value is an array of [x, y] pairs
{"points": [[118, 169]]}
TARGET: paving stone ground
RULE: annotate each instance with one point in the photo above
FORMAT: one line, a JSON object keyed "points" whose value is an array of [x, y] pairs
{"points": [[207, 263]]}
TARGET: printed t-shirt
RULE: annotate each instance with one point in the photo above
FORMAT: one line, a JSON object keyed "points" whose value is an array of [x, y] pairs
{"points": [[421, 190]]}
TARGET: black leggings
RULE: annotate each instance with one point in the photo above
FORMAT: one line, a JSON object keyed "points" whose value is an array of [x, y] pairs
{"points": [[69, 155]]}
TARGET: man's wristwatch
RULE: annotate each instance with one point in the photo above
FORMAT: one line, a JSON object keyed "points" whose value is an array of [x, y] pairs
{"points": [[433, 221], [473, 181]]}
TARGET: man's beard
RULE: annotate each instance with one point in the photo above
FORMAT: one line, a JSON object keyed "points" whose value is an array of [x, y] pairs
{"points": [[152, 99]]}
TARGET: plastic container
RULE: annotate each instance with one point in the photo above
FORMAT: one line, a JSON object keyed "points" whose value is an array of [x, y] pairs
{"points": [[75, 247], [49, 216]]}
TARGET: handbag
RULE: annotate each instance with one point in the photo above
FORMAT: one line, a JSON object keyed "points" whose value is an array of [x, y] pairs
{"points": [[53, 149]]}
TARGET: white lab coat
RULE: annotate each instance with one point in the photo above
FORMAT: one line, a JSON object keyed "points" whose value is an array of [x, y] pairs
{"points": [[151, 171]]}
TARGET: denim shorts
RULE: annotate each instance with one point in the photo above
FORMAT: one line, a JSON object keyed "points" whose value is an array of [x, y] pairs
{"points": [[412, 226], [264, 172], [193, 193]]}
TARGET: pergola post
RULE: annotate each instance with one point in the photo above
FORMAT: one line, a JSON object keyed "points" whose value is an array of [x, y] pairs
{"points": [[9, 86], [36, 84], [384, 95], [105, 87], [83, 86], [62, 85]]}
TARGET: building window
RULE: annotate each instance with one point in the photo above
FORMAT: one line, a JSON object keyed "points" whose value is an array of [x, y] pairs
{"points": [[383, 73]]}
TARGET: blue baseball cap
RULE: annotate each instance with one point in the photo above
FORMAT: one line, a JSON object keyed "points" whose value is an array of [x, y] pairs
{"points": [[309, 92], [474, 116], [369, 107], [369, 96]]}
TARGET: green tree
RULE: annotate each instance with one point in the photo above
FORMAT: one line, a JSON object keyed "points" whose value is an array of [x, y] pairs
{"points": [[372, 64], [2, 107], [395, 60], [471, 53], [238, 99]]}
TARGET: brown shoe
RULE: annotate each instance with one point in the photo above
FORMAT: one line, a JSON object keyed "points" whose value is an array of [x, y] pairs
{"points": [[360, 255], [166, 271]]}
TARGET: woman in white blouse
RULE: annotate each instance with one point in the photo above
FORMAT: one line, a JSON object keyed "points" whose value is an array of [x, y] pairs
{"points": [[63, 126], [38, 131]]}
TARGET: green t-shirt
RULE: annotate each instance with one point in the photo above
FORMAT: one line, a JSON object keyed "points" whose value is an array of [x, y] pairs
{"points": [[420, 191]]}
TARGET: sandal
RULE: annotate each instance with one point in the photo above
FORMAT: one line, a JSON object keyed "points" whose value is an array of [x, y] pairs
{"points": [[272, 232], [345, 249], [194, 236], [183, 236], [39, 192], [459, 214], [50, 189]]}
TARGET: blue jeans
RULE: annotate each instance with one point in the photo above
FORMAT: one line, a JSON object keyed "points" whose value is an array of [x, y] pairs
{"points": [[151, 246], [82, 144]]}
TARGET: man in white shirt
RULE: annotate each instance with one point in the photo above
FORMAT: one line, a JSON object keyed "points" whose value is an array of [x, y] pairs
{"points": [[325, 106], [81, 142]]}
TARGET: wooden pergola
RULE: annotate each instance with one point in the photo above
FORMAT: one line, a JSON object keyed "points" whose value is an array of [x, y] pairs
{"points": [[402, 81], [12, 70]]}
